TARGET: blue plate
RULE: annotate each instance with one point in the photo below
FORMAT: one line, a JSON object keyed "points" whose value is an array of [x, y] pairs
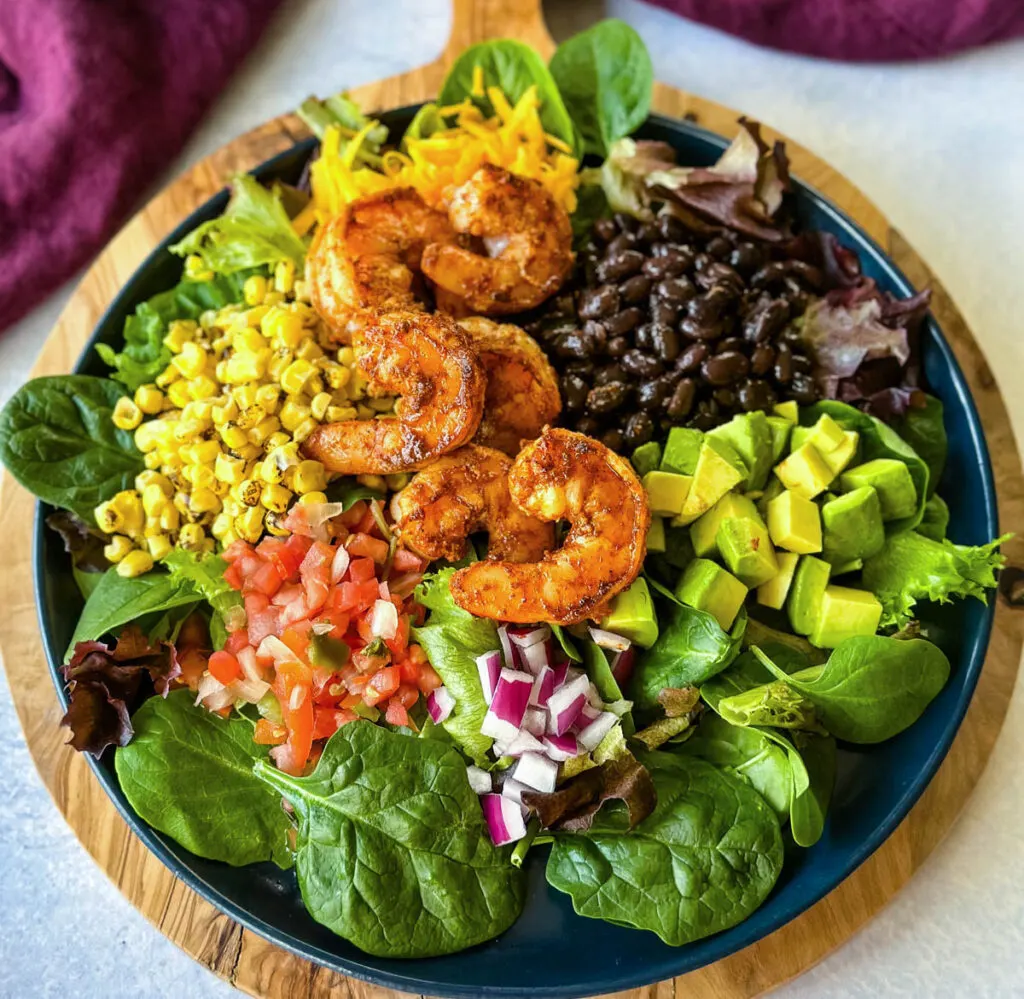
{"points": [[550, 951]]}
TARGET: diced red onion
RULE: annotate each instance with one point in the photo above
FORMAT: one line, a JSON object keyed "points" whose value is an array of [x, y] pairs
{"points": [[322, 627], [489, 667], [590, 737], [504, 819], [208, 686], [479, 780], [535, 722], [522, 742], [561, 672], [538, 772], [609, 640], [384, 620], [247, 660], [340, 564], [511, 658], [561, 747], [543, 687], [566, 703], [622, 666], [248, 690], [505, 715], [513, 790], [440, 704], [525, 637], [536, 657], [588, 714], [273, 648], [594, 697]]}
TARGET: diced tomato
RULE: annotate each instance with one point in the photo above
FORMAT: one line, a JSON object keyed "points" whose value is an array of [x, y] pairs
{"points": [[395, 714], [263, 623], [233, 576], [327, 721], [338, 619], [297, 642], [255, 603], [236, 550], [267, 579], [362, 569], [356, 597], [269, 734], [364, 545], [286, 555], [363, 626], [296, 612], [406, 695], [193, 665], [406, 561], [315, 573], [296, 547], [288, 593], [224, 667], [382, 685], [354, 514], [236, 641], [400, 642], [368, 523], [429, 679], [292, 687]]}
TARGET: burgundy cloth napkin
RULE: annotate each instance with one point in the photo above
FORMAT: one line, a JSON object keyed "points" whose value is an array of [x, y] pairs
{"points": [[96, 98], [860, 30]]}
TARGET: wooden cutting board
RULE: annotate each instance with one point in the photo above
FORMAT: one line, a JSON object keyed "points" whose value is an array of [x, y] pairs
{"points": [[258, 967]]}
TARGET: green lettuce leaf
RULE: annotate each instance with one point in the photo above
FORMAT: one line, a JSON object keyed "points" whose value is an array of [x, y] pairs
{"points": [[206, 575], [912, 567]]}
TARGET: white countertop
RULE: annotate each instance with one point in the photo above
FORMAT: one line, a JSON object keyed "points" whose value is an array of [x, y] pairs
{"points": [[939, 147]]}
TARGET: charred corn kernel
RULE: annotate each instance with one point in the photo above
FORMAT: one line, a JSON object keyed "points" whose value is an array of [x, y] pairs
{"points": [[203, 387], [232, 507], [233, 436], [248, 492], [270, 472], [196, 269], [249, 525], [245, 396], [356, 386], [274, 523], [204, 500], [268, 396], [129, 504], [292, 414], [117, 548], [278, 363], [220, 489], [191, 361], [226, 412], [178, 334], [263, 430], [284, 276], [146, 479], [275, 497], [251, 415], [149, 399], [364, 412], [336, 376], [151, 460], [309, 350], [154, 499], [315, 385], [126, 415], [187, 431], [301, 291], [222, 523], [382, 405], [178, 394], [220, 344], [372, 482], [336, 414], [254, 289], [146, 437], [346, 356], [191, 536], [310, 498], [273, 298], [203, 477], [159, 546], [319, 405], [250, 340], [277, 440], [243, 368], [152, 528], [180, 501], [295, 376], [303, 430], [135, 563], [283, 326], [205, 452], [310, 477], [249, 452], [167, 377], [288, 477], [170, 518], [229, 469], [397, 480]]}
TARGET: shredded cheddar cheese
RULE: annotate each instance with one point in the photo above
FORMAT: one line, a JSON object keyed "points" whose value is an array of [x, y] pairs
{"points": [[513, 138]]}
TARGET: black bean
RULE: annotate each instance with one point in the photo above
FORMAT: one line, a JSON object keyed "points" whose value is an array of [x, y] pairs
{"points": [[678, 290], [622, 322], [607, 398], [690, 359], [627, 223], [725, 397], [710, 306], [624, 241], [583, 368], [802, 365], [697, 329], [707, 414], [665, 342], [574, 392], [636, 362], [724, 369], [762, 358], [766, 320], [587, 425], [643, 337], [671, 263], [783, 364], [613, 439], [617, 346], [651, 394], [610, 373], [681, 402], [597, 334], [755, 393], [671, 229], [746, 259], [620, 265], [574, 345], [719, 273], [648, 233], [719, 247], [803, 389], [635, 289], [670, 379], [605, 230], [663, 311], [731, 343], [639, 430], [596, 303]]}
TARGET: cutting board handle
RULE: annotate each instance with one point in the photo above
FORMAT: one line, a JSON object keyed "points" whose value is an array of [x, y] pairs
{"points": [[480, 20]]}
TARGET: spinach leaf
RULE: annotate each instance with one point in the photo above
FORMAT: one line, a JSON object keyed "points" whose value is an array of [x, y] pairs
{"points": [[691, 648], [145, 355], [935, 521], [591, 205], [877, 441], [597, 667], [425, 123], [57, 439], [513, 68], [188, 773], [872, 687], [704, 860], [393, 853], [452, 639], [117, 601], [347, 491], [746, 672], [923, 429], [254, 231], [206, 576], [812, 759], [605, 77], [86, 582], [775, 704], [568, 645]]}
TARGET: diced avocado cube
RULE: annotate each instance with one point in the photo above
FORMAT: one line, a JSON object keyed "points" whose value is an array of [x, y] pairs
{"points": [[773, 593], [798, 438], [780, 428], [656, 535], [826, 435], [681, 450], [853, 526], [646, 458], [713, 477], [794, 523], [708, 587], [632, 615], [773, 489], [666, 492], [844, 613], [704, 531], [841, 456], [854, 565], [805, 472], [788, 410], [750, 435], [891, 480], [746, 550], [809, 584]]}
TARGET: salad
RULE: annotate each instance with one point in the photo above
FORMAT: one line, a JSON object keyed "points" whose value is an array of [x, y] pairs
{"points": [[502, 488]]}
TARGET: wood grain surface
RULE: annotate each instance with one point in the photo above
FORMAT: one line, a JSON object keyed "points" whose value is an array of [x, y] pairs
{"points": [[258, 967]]}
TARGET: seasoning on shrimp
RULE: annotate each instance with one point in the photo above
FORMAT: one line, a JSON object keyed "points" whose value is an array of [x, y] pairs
{"points": [[428, 361], [522, 387], [462, 493], [527, 237], [565, 476]]}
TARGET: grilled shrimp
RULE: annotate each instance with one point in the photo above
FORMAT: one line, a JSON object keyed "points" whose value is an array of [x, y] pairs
{"points": [[367, 259], [428, 361], [464, 492], [565, 476], [522, 387], [527, 237]]}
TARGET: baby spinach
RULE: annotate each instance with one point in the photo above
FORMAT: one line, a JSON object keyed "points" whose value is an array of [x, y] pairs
{"points": [[392, 852], [206, 575], [513, 68], [57, 439], [935, 521], [923, 429], [347, 491], [565, 641], [605, 77], [812, 760], [746, 672], [775, 704], [872, 687], [452, 639], [188, 773], [704, 860]]}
